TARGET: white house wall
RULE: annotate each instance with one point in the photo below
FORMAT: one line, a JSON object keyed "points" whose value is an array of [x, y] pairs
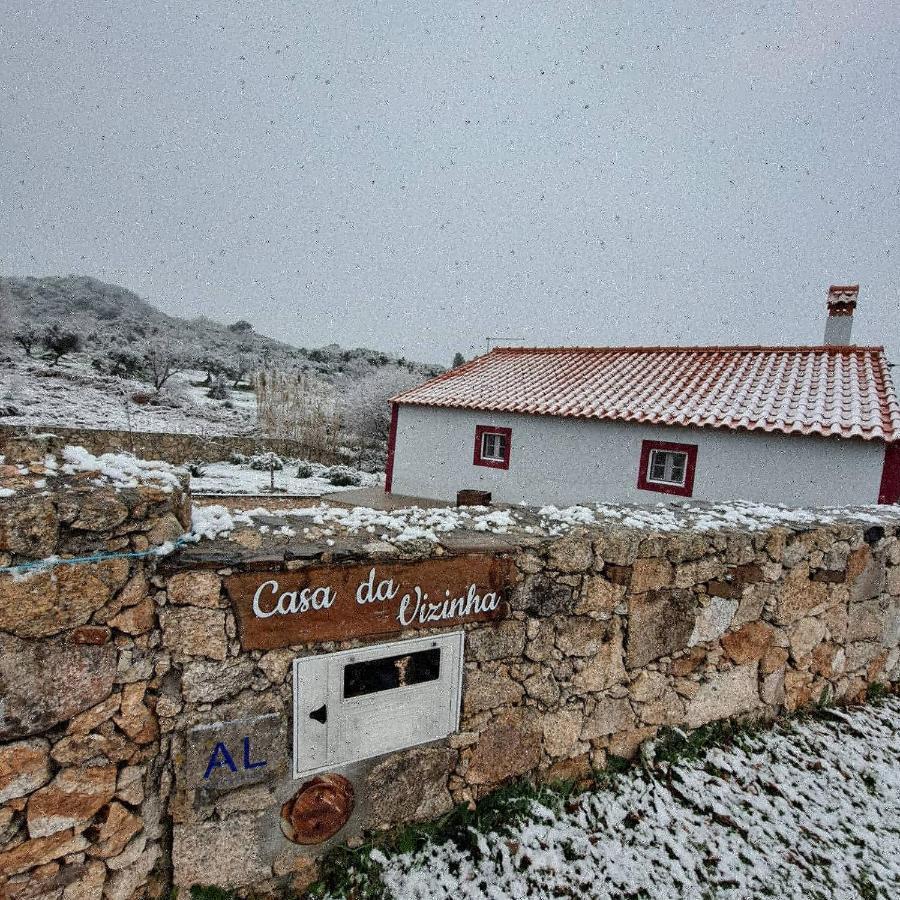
{"points": [[567, 461]]}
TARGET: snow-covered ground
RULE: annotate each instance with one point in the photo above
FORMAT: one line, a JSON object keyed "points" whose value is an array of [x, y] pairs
{"points": [[228, 478], [73, 394], [807, 810]]}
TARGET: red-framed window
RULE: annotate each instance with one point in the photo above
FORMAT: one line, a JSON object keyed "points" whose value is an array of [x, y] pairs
{"points": [[492, 446], [890, 475], [667, 468]]}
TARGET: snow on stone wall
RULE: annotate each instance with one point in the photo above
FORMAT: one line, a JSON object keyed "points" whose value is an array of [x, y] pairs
{"points": [[174, 448]]}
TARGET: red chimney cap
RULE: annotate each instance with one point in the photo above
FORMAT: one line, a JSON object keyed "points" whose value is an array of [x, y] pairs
{"points": [[842, 299]]}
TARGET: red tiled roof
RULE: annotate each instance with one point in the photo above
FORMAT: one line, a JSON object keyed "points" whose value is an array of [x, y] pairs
{"points": [[843, 391]]}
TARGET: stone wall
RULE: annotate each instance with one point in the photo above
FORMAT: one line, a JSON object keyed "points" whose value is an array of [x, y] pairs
{"points": [[176, 448], [81, 762], [612, 634], [142, 746]]}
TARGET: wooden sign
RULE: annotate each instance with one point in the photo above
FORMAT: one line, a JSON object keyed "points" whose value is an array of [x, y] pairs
{"points": [[328, 603]]}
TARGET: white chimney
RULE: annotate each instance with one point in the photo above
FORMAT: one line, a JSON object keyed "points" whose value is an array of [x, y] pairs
{"points": [[841, 303]]}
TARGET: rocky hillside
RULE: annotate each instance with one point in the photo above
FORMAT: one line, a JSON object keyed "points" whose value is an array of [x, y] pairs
{"points": [[108, 316]]}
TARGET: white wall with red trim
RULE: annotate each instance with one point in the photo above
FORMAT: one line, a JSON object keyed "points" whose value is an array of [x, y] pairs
{"points": [[567, 461]]}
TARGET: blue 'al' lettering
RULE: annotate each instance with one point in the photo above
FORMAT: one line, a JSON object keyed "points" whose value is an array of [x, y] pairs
{"points": [[251, 765], [216, 763]]}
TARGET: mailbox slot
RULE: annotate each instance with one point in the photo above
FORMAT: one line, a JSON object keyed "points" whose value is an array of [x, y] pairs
{"points": [[361, 703]]}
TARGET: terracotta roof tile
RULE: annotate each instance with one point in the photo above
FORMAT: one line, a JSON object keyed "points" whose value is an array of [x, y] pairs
{"points": [[843, 391]]}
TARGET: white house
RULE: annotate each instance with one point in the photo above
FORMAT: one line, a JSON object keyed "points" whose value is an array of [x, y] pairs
{"points": [[563, 425]]}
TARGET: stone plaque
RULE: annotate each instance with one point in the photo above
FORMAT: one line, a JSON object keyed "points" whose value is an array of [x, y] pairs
{"points": [[326, 603], [223, 756]]}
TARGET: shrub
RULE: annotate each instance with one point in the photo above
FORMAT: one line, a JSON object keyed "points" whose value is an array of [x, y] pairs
{"points": [[305, 470], [196, 469], [238, 459], [262, 462], [58, 342], [343, 476], [218, 390]]}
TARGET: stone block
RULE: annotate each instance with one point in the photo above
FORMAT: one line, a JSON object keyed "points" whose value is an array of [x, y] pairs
{"points": [[276, 665], [572, 553], [722, 695], [46, 603], [648, 686], [599, 597], [625, 744], [130, 785], [95, 716], [608, 717], [410, 786], [209, 682], [713, 619], [223, 756], [99, 511], [24, 767], [136, 619], [93, 749], [192, 631], [28, 526], [71, 800], [806, 634], [798, 595], [510, 746], [659, 624], [865, 621], [562, 730], [773, 659], [135, 718], [540, 639], [496, 641], [544, 596], [117, 828], [618, 547], [748, 643], [620, 575], [751, 604], [489, 690], [668, 709], [605, 666], [892, 581], [88, 883], [582, 636], [727, 589], [46, 682], [40, 851], [543, 688], [239, 858], [650, 575], [195, 589]]}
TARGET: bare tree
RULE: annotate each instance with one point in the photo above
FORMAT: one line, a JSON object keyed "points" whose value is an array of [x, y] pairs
{"points": [[240, 366], [367, 413], [160, 363], [58, 342], [26, 336]]}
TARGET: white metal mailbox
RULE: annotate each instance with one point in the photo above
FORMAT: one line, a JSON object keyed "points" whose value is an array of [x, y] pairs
{"points": [[361, 703]]}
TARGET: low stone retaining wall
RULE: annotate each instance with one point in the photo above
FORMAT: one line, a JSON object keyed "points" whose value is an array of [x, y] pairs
{"points": [[152, 733], [177, 449]]}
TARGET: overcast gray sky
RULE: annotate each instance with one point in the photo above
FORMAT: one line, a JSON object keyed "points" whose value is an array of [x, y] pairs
{"points": [[417, 176]]}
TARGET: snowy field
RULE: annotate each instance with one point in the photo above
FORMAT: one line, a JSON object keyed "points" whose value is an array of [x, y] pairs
{"points": [[806, 810], [228, 478], [42, 395]]}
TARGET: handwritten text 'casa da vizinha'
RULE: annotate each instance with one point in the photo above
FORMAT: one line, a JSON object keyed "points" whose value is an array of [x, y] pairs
{"points": [[414, 606]]}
